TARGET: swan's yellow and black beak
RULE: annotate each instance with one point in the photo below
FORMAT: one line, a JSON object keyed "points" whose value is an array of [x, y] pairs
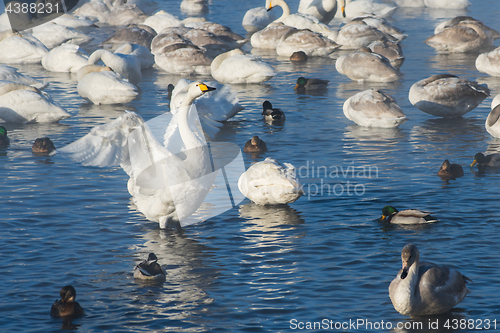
{"points": [[205, 88], [270, 6], [473, 163], [343, 10]]}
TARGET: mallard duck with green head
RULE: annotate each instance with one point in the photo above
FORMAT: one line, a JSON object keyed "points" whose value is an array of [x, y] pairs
{"points": [[4, 140], [407, 216], [304, 84], [482, 160]]}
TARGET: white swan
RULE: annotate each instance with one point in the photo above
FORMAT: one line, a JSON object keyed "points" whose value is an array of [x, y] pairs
{"points": [[447, 95], [8, 73], [465, 36], [162, 20], [359, 7], [300, 21], [20, 49], [323, 10], [52, 35], [423, 288], [100, 85], [374, 108], [356, 34], [21, 103], [258, 18], [75, 22], [193, 7], [213, 108], [493, 120], [146, 58], [147, 6], [236, 67], [65, 58], [95, 9], [363, 65], [449, 4], [269, 183], [307, 41], [489, 62], [128, 141], [410, 3], [127, 65]]}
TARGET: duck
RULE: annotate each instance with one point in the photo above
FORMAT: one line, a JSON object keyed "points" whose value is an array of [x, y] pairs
{"points": [[258, 18], [307, 41], [424, 288], [450, 170], [310, 84], [465, 36], [127, 65], [300, 21], [65, 58], [66, 307], [149, 269], [492, 160], [20, 49], [236, 67], [23, 104], [374, 108], [364, 65], [489, 62], [323, 10], [128, 142], [448, 4], [272, 115], [43, 147], [4, 139], [298, 56], [255, 145], [101, 85], [492, 123], [447, 95], [270, 183], [8, 73], [407, 216]]}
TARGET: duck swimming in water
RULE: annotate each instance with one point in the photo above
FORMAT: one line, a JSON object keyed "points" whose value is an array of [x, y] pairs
{"points": [[43, 146], [255, 145], [66, 307], [4, 140], [450, 170], [149, 269], [407, 216], [272, 115]]}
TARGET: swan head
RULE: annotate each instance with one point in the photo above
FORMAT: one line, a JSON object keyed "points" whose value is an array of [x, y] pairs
{"points": [[479, 158], [197, 89], [43, 146], [409, 255], [68, 294], [388, 211]]}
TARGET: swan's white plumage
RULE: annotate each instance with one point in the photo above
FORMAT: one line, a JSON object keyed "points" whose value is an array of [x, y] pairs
{"points": [[323, 10], [374, 108], [489, 62], [366, 66], [162, 20], [492, 123], [17, 49], [450, 4], [127, 65], [269, 183], [358, 34], [20, 103], [236, 67], [146, 58], [101, 85], [359, 7], [8, 73], [257, 18], [176, 190], [309, 42], [52, 35], [270, 36], [65, 58]]}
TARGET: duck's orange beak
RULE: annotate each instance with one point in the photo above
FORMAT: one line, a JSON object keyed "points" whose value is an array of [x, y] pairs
{"points": [[296, 87], [474, 163]]}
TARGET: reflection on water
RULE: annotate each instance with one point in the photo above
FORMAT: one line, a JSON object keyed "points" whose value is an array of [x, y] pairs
{"points": [[270, 216], [454, 63]]}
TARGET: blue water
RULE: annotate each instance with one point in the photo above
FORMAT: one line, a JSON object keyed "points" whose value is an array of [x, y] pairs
{"points": [[258, 269]]}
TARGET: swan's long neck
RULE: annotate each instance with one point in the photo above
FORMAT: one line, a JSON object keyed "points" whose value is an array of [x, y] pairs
{"points": [[408, 293], [190, 139], [283, 5], [214, 66], [103, 55]]}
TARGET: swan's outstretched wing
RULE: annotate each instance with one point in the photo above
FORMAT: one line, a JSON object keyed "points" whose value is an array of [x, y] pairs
{"points": [[105, 145]]}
